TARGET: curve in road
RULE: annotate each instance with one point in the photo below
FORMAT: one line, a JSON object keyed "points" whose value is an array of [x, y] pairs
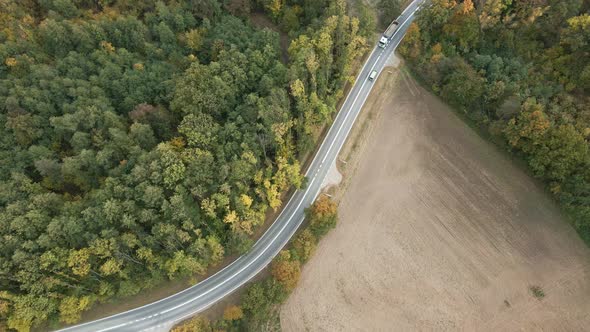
{"points": [[163, 314]]}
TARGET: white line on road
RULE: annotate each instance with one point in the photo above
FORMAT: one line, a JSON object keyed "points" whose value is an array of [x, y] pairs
{"points": [[298, 205], [288, 203], [351, 107], [250, 263]]}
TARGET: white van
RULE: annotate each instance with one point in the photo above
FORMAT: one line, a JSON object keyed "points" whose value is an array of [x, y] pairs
{"points": [[372, 75]]}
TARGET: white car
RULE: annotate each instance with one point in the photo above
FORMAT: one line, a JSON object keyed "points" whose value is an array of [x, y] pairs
{"points": [[372, 75]]}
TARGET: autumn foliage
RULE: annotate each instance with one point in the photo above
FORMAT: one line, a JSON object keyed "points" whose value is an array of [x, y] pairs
{"points": [[322, 216], [145, 140], [286, 270], [520, 70], [304, 245], [233, 312], [195, 324]]}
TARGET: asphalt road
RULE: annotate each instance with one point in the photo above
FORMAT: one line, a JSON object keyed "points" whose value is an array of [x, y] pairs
{"points": [[162, 315]]}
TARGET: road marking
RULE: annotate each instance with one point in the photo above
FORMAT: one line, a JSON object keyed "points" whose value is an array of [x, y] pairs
{"points": [[306, 192], [405, 9], [357, 113], [301, 202], [302, 199], [262, 237], [238, 286], [320, 148], [261, 253], [410, 6], [285, 208], [351, 107], [282, 228], [114, 327], [251, 262]]}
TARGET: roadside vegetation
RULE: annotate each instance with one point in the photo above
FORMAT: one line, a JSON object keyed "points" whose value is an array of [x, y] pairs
{"points": [[389, 10], [145, 140], [521, 71], [260, 303]]}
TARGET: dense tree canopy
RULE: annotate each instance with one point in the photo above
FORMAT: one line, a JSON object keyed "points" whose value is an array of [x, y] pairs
{"points": [[260, 302], [144, 140], [521, 70]]}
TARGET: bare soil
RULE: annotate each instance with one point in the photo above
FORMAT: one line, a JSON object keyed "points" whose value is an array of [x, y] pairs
{"points": [[438, 230]]}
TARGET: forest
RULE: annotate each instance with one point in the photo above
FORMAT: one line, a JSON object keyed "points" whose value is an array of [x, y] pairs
{"points": [[259, 305], [519, 70], [143, 141]]}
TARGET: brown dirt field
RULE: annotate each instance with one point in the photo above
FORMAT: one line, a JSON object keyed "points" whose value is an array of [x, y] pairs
{"points": [[438, 230]]}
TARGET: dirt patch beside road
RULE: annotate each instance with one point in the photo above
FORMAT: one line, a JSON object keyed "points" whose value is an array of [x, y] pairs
{"points": [[438, 230]]}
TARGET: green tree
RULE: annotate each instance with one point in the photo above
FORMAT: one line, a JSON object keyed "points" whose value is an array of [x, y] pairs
{"points": [[487, 57], [144, 140], [286, 270], [322, 215], [260, 299], [29, 311], [367, 19], [71, 308], [305, 245], [233, 313], [389, 10], [554, 153], [195, 324], [463, 27], [462, 86]]}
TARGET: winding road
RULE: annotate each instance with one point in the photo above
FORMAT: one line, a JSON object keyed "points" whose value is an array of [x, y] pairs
{"points": [[163, 314]]}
